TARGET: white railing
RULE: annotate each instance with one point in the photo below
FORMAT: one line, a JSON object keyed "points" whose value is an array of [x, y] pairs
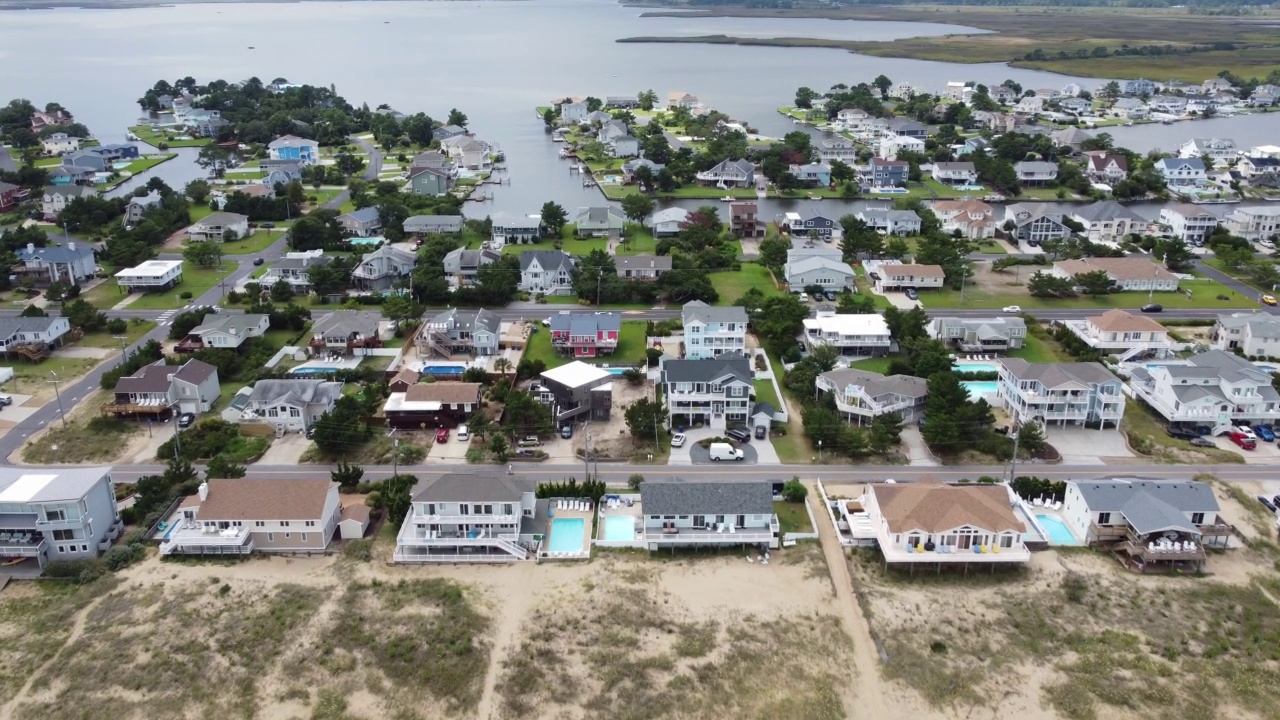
{"points": [[656, 535], [23, 549], [512, 519], [456, 541], [51, 524], [400, 556]]}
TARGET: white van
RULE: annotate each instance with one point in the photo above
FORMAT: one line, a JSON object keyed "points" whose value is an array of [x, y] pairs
{"points": [[463, 435], [724, 451]]}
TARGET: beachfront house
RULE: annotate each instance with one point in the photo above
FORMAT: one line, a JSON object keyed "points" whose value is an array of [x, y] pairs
{"points": [[882, 173], [864, 335], [668, 222], [36, 336], [1108, 222], [1210, 390], [861, 395], [946, 524], [1254, 223], [295, 269], [1218, 151], [810, 222], [243, 515], [63, 513], [1073, 393], [980, 335], [1035, 173], [433, 225], [817, 266], [714, 513], [888, 221], [1106, 167], [459, 517]]}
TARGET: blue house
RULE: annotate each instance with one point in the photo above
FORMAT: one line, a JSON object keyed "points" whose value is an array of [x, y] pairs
{"points": [[114, 153], [70, 175], [817, 174], [291, 147], [86, 159]]}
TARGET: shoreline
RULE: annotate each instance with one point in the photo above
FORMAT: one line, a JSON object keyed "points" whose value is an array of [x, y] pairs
{"points": [[143, 4]]}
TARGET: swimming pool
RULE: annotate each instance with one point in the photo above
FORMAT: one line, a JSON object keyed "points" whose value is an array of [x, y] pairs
{"points": [[979, 388], [889, 191], [1267, 368], [120, 165], [620, 528], [970, 367], [566, 535], [1059, 533], [618, 371], [367, 240], [442, 369], [313, 371]]}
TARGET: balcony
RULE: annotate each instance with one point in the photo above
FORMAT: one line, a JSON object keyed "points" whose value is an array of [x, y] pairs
{"points": [[439, 539], [64, 524], [23, 545], [496, 519]]}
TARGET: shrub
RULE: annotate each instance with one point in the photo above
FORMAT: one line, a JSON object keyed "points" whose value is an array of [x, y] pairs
{"points": [[794, 491], [185, 295], [80, 570], [359, 550], [118, 557], [1075, 587], [115, 326], [635, 481]]}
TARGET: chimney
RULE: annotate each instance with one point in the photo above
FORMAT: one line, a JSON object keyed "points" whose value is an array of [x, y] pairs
{"points": [[31, 248], [71, 246], [203, 491]]}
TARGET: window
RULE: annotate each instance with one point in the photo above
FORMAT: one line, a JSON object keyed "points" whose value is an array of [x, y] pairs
{"points": [[293, 412], [1006, 541], [310, 523], [84, 548], [1197, 518], [287, 536], [259, 523], [55, 515], [271, 537], [284, 523], [304, 537], [1104, 518]]}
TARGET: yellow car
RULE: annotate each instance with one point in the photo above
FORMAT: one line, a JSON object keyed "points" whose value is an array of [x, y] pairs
{"points": [[1269, 299]]}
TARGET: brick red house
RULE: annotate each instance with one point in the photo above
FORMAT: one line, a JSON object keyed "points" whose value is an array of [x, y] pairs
{"points": [[9, 197], [585, 334]]}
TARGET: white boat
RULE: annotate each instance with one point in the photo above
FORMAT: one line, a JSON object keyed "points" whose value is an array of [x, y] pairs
{"points": [[726, 198]]}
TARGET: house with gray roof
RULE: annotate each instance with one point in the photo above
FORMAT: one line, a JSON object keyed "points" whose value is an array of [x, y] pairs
{"points": [[630, 167], [219, 226], [979, 335], [708, 513], [431, 181], [729, 174], [511, 229], [668, 222], [1073, 393], [1209, 390], [1146, 521], [295, 268], [1252, 333], [461, 518], [888, 221], [1108, 222], [85, 159], [62, 513], [291, 405], [57, 197], [715, 392], [1034, 223], [71, 263], [461, 266], [585, 334], [459, 332], [955, 173], [861, 395], [347, 332], [1035, 172], [138, 207], [224, 330], [448, 131], [547, 272], [433, 224], [159, 390], [40, 333], [641, 267], [364, 222], [1182, 172], [826, 268], [380, 269], [711, 331], [598, 222]]}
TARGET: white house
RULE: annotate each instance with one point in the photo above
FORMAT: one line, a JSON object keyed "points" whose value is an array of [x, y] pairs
{"points": [[216, 227], [861, 395], [1127, 334], [1254, 223], [380, 269], [1107, 168], [1219, 151], [515, 229], [151, 276], [862, 334], [887, 221], [295, 269], [1108, 222], [1190, 223], [1181, 172], [1034, 223], [465, 518], [547, 272], [806, 267], [56, 198], [1211, 390], [985, 335], [955, 173], [1252, 333], [1035, 172], [1127, 273], [1073, 393], [45, 332], [973, 218], [946, 524], [288, 405], [225, 330], [708, 513], [59, 143], [898, 276], [711, 331], [666, 223]]}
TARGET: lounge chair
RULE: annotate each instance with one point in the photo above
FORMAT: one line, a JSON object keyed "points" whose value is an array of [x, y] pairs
{"points": [[995, 549], [1038, 502], [733, 529]]}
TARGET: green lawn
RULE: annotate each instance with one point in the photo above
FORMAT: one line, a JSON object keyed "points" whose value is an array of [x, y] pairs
{"points": [[876, 365], [104, 339], [196, 281], [322, 196], [630, 342], [568, 243], [539, 348], [630, 347], [1039, 351], [1204, 294], [256, 241], [48, 162], [198, 212], [792, 517], [639, 241], [146, 135], [733, 285], [31, 378], [765, 393]]}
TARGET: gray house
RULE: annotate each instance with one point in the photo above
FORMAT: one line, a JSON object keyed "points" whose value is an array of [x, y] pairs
{"points": [[577, 391], [433, 224], [993, 334], [281, 173], [806, 267], [347, 332], [680, 513], [288, 405], [714, 393], [459, 332], [361, 223], [730, 173], [55, 514], [547, 272], [516, 229], [598, 222], [642, 267], [138, 207], [430, 181], [862, 395], [86, 159], [379, 269], [72, 263], [461, 266]]}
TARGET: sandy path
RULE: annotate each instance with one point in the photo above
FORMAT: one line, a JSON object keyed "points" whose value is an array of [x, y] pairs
{"points": [[77, 629], [512, 615], [869, 694]]}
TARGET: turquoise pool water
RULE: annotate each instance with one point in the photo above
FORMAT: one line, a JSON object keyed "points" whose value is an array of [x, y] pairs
{"points": [[975, 367], [620, 528], [443, 369], [617, 371], [978, 388], [119, 165], [566, 535], [1059, 533]]}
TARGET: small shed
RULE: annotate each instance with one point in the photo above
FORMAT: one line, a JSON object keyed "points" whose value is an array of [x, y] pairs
{"points": [[354, 522], [762, 416], [401, 381]]}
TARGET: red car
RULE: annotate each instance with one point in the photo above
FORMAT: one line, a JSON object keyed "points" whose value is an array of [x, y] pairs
{"points": [[442, 435], [1244, 441]]}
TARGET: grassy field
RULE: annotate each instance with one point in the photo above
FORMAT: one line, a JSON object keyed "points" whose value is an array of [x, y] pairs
{"points": [[792, 517], [630, 348], [33, 378], [146, 135], [765, 393], [136, 167], [104, 339], [256, 241], [87, 438], [1205, 294], [196, 281], [733, 285], [1146, 433]]}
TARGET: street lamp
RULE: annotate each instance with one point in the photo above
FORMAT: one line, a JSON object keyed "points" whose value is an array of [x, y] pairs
{"points": [[819, 452], [124, 352]]}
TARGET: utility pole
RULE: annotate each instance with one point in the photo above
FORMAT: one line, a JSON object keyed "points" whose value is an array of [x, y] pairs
{"points": [[55, 381], [1013, 462], [599, 278], [177, 433], [395, 452], [124, 352]]}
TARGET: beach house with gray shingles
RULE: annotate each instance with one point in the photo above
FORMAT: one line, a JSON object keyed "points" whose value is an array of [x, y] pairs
{"points": [[72, 263], [511, 229], [156, 390], [291, 405], [346, 332], [295, 269], [57, 197], [993, 334], [729, 174], [547, 272], [138, 207], [1252, 333], [598, 222], [47, 332], [461, 266], [381, 268], [641, 267], [683, 513], [710, 331], [464, 518], [1035, 172], [459, 332], [828, 269], [861, 395], [217, 226], [1034, 223], [714, 393], [1107, 221], [244, 515], [55, 514], [433, 224], [1074, 393], [888, 221], [226, 331], [1134, 513], [364, 222], [1210, 391], [668, 222]]}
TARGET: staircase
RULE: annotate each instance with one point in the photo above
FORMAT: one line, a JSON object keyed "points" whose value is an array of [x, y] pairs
{"points": [[437, 342], [1136, 350], [515, 549]]}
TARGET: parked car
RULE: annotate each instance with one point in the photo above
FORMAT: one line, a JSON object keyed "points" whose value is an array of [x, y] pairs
{"points": [[739, 435], [1152, 308], [186, 419], [1268, 299], [830, 295], [1270, 505], [1276, 501], [463, 433], [6, 400], [1244, 441], [677, 440], [804, 297], [1203, 442], [761, 432], [566, 431], [258, 261], [442, 435], [1012, 309], [911, 294], [1246, 431], [310, 433], [1181, 434], [529, 441], [1265, 433]]}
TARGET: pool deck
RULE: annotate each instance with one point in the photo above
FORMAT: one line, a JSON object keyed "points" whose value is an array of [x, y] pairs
{"points": [[545, 552], [633, 513]]}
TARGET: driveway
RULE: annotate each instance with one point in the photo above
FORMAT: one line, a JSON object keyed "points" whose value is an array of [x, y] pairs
{"points": [[917, 451], [449, 453], [682, 455], [1082, 446], [702, 456], [1266, 454], [285, 450], [900, 300]]}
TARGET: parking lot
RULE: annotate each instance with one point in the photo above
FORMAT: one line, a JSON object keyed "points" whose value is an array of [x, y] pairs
{"points": [[1266, 453], [452, 452]]}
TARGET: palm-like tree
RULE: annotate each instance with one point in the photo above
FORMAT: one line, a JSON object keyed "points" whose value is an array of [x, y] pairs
{"points": [[502, 365]]}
